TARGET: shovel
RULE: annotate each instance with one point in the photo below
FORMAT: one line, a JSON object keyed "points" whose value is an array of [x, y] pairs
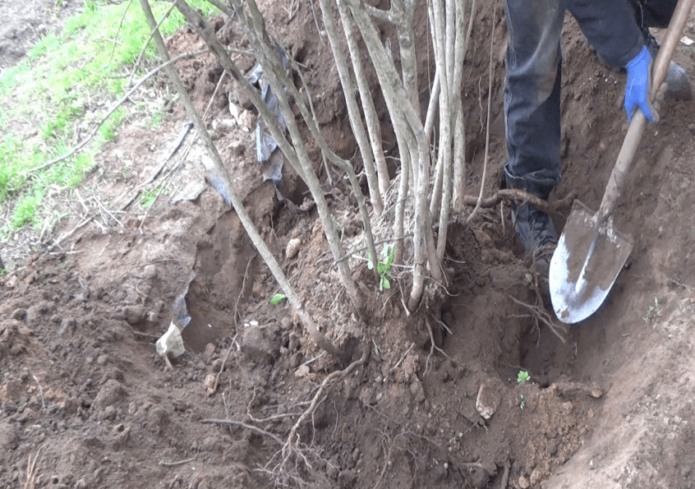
{"points": [[591, 252]]}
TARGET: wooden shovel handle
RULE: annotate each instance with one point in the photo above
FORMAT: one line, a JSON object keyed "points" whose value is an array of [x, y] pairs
{"points": [[639, 121]]}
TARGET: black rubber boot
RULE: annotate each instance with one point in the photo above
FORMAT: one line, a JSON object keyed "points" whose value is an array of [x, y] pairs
{"points": [[537, 234]]}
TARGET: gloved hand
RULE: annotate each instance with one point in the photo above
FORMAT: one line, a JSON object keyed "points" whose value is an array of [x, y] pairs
{"points": [[638, 84]]}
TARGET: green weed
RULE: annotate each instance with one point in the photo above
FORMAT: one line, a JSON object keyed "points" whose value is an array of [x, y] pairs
{"points": [[383, 267], [652, 311], [523, 377], [147, 197], [25, 209]]}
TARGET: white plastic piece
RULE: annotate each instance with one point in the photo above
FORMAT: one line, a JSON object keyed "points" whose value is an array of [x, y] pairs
{"points": [[171, 343]]}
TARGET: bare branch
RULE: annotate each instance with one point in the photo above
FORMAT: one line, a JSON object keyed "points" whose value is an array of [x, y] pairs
{"points": [[221, 176], [147, 43], [371, 118], [487, 131], [353, 110]]}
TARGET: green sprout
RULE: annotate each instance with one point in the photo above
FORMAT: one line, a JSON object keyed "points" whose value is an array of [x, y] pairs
{"points": [[522, 402], [652, 311], [277, 299], [383, 267], [523, 377]]}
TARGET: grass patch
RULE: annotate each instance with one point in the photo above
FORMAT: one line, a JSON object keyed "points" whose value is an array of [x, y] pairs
{"points": [[147, 197], [65, 84]]}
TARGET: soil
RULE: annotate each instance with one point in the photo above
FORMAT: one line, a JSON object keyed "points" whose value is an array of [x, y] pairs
{"points": [[85, 396]]}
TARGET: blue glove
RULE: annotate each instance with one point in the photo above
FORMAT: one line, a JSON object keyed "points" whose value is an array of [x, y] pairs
{"points": [[637, 87]]}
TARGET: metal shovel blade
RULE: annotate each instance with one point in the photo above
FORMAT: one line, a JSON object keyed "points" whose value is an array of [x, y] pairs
{"points": [[586, 262]]}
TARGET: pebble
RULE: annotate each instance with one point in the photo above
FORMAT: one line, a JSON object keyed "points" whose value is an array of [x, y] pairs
{"points": [[302, 371], [210, 384], [293, 247], [209, 351], [19, 314], [487, 402], [523, 482], [237, 148], [535, 477]]}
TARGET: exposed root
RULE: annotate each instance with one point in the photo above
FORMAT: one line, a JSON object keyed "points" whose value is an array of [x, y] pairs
{"points": [[433, 347], [539, 313], [241, 424], [516, 195], [30, 483]]}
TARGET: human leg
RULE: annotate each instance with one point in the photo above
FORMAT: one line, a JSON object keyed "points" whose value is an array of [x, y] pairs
{"points": [[532, 94], [532, 112]]}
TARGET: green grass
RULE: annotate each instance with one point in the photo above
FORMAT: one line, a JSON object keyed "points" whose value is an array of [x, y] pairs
{"points": [[65, 79]]}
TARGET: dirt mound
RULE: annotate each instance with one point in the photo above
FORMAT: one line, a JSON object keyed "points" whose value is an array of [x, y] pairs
{"points": [[84, 394]]}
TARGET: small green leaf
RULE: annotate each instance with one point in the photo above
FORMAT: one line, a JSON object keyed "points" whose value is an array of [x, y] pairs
{"points": [[529, 277], [385, 284], [390, 258], [523, 377], [277, 299]]}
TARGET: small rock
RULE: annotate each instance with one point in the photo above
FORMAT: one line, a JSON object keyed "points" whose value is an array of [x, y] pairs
{"points": [[302, 372], [150, 272], [110, 393], [18, 314], [210, 384], [108, 414], [11, 282], [487, 402], [295, 360], [209, 351], [134, 314], [417, 391], [596, 393], [536, 476], [523, 482], [355, 454], [247, 120], [293, 247], [367, 396], [237, 148], [102, 359]]}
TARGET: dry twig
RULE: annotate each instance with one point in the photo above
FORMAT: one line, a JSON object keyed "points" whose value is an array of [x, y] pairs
{"points": [[240, 424], [174, 464], [30, 482]]}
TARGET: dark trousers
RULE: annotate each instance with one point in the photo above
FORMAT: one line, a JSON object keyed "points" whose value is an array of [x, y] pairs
{"points": [[532, 88]]}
